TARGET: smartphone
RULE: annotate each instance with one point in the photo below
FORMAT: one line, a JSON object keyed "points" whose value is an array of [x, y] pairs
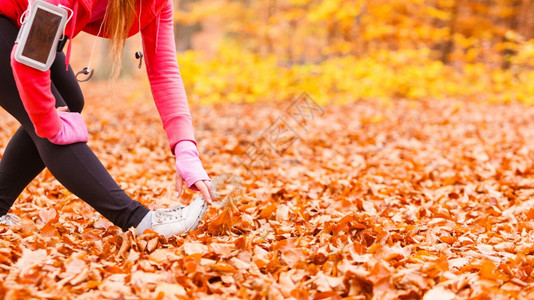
{"points": [[39, 35]]}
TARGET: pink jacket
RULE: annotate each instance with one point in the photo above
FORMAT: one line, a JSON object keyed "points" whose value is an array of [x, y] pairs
{"points": [[159, 53]]}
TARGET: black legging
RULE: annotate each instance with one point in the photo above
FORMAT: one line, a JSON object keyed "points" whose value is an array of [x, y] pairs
{"points": [[75, 165]]}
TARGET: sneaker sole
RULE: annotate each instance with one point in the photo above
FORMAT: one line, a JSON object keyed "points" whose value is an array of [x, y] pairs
{"points": [[199, 218]]}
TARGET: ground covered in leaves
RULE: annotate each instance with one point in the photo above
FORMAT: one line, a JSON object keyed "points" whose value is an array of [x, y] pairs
{"points": [[412, 200]]}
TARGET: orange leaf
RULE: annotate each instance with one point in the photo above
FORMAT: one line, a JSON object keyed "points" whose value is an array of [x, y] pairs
{"points": [[48, 215]]}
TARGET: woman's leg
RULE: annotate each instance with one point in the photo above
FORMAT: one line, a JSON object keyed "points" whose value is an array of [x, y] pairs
{"points": [[19, 166], [21, 162], [75, 166]]}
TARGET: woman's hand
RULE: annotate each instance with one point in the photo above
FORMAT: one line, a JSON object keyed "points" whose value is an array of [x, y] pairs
{"points": [[202, 185], [189, 169], [73, 129]]}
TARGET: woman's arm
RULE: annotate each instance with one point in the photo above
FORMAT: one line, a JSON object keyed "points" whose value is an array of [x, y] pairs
{"points": [[35, 91], [169, 94], [59, 126], [34, 86], [165, 79]]}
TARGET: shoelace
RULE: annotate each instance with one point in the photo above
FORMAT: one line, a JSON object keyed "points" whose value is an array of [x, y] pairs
{"points": [[9, 219], [169, 214]]}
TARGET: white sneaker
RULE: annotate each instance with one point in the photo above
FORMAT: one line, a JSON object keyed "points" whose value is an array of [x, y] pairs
{"points": [[9, 219], [179, 219]]}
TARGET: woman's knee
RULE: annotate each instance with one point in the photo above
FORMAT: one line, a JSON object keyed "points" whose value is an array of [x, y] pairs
{"points": [[76, 105]]}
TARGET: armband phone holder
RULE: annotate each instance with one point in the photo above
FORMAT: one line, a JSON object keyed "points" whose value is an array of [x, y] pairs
{"points": [[39, 35]]}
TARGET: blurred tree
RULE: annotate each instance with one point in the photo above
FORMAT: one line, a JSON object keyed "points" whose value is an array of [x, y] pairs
{"points": [[300, 31], [452, 23], [183, 33]]}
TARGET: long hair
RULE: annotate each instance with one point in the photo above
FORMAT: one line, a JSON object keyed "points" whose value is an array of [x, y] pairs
{"points": [[119, 18]]}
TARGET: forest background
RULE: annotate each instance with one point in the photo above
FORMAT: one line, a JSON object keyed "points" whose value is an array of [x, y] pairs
{"points": [[347, 50]]}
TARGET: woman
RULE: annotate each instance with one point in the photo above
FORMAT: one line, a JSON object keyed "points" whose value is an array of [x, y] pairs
{"points": [[53, 134]]}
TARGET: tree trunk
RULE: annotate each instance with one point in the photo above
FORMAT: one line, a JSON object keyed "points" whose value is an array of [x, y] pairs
{"points": [[512, 23], [449, 44]]}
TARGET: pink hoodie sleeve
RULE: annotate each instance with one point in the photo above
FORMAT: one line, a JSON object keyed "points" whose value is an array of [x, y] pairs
{"points": [[165, 79], [35, 91]]}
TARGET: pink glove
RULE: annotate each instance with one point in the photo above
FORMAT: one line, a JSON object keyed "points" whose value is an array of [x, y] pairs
{"points": [[188, 164], [73, 129]]}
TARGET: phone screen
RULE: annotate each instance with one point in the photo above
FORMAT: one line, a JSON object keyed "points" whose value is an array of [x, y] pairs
{"points": [[41, 36]]}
